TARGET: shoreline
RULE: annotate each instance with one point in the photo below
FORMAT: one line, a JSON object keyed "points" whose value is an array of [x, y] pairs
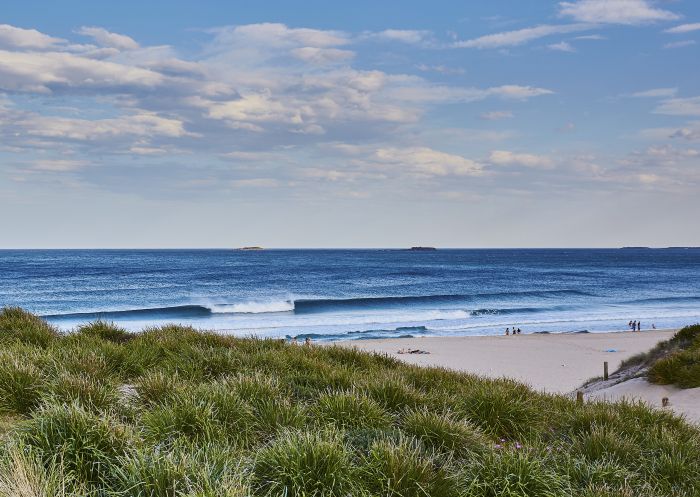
{"points": [[552, 362]]}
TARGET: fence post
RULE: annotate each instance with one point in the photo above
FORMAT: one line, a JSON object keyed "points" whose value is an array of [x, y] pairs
{"points": [[605, 370]]}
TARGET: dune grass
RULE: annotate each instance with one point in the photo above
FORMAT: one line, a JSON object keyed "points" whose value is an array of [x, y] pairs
{"points": [[176, 412], [681, 366]]}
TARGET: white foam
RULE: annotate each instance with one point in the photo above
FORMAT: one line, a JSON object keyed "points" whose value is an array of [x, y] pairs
{"points": [[253, 307]]}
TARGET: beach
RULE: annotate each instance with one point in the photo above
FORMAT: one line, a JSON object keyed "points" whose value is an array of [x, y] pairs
{"points": [[554, 363]]}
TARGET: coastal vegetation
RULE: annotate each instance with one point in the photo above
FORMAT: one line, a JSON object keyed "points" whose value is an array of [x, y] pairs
{"points": [[174, 412], [678, 360]]}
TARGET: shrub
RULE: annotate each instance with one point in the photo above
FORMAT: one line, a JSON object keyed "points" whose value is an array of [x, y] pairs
{"points": [[305, 464]]}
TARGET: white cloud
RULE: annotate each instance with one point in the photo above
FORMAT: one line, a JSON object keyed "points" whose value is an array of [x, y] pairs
{"points": [[58, 165], [684, 28], [520, 36], [507, 158], [656, 93], [403, 35], [62, 128], [256, 183], [322, 56], [590, 37], [440, 69], [108, 39], [562, 46], [428, 162], [496, 115], [680, 44], [679, 107], [19, 72], [23, 39], [615, 12]]}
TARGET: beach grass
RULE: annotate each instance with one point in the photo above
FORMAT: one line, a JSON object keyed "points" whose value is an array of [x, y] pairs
{"points": [[675, 361], [175, 412]]}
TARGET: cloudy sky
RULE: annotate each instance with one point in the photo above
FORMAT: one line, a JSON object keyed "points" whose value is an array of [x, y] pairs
{"points": [[349, 124]]}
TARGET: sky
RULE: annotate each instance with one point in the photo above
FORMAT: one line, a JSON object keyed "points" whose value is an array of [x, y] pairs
{"points": [[144, 124]]}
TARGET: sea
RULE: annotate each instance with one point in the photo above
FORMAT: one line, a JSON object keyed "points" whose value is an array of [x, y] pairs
{"points": [[358, 294]]}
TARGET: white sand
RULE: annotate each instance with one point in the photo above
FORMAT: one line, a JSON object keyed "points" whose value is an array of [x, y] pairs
{"points": [[681, 401], [556, 363]]}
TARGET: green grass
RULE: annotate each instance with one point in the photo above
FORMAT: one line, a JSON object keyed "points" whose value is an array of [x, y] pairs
{"points": [[174, 412], [677, 361]]}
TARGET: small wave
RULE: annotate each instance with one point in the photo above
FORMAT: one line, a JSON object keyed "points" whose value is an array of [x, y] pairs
{"points": [[178, 311], [505, 312], [400, 332], [253, 307], [661, 300]]}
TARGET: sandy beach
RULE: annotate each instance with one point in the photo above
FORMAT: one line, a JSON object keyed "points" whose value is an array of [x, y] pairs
{"points": [[555, 363]]}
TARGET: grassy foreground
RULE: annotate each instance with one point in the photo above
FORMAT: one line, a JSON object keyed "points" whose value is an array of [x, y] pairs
{"points": [[175, 412]]}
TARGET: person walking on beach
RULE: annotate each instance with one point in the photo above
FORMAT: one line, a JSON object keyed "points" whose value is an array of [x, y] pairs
{"points": [[639, 326], [634, 325]]}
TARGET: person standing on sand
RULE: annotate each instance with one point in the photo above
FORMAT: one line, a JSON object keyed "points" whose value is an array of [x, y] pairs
{"points": [[639, 326], [634, 325], [507, 331], [629, 325]]}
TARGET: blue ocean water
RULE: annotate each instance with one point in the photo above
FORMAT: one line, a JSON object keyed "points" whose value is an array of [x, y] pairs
{"points": [[333, 294]]}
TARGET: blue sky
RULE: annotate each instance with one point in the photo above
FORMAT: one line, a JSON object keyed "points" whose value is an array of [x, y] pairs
{"points": [[363, 124]]}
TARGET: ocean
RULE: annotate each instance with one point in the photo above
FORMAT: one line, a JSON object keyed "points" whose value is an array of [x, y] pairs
{"points": [[356, 294]]}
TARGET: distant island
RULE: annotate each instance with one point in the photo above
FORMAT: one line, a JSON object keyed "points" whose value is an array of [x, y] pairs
{"points": [[250, 248], [422, 249]]}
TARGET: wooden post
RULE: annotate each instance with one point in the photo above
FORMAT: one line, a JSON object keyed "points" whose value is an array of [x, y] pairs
{"points": [[579, 397], [664, 402], [605, 370]]}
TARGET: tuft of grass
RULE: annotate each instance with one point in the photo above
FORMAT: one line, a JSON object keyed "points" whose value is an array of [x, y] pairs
{"points": [[21, 386], [88, 445], [89, 392], [19, 325], [403, 469], [305, 464], [444, 432], [513, 473], [350, 410], [105, 331]]}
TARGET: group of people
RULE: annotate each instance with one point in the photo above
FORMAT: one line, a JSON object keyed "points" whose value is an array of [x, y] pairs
{"points": [[516, 331], [637, 325]]}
